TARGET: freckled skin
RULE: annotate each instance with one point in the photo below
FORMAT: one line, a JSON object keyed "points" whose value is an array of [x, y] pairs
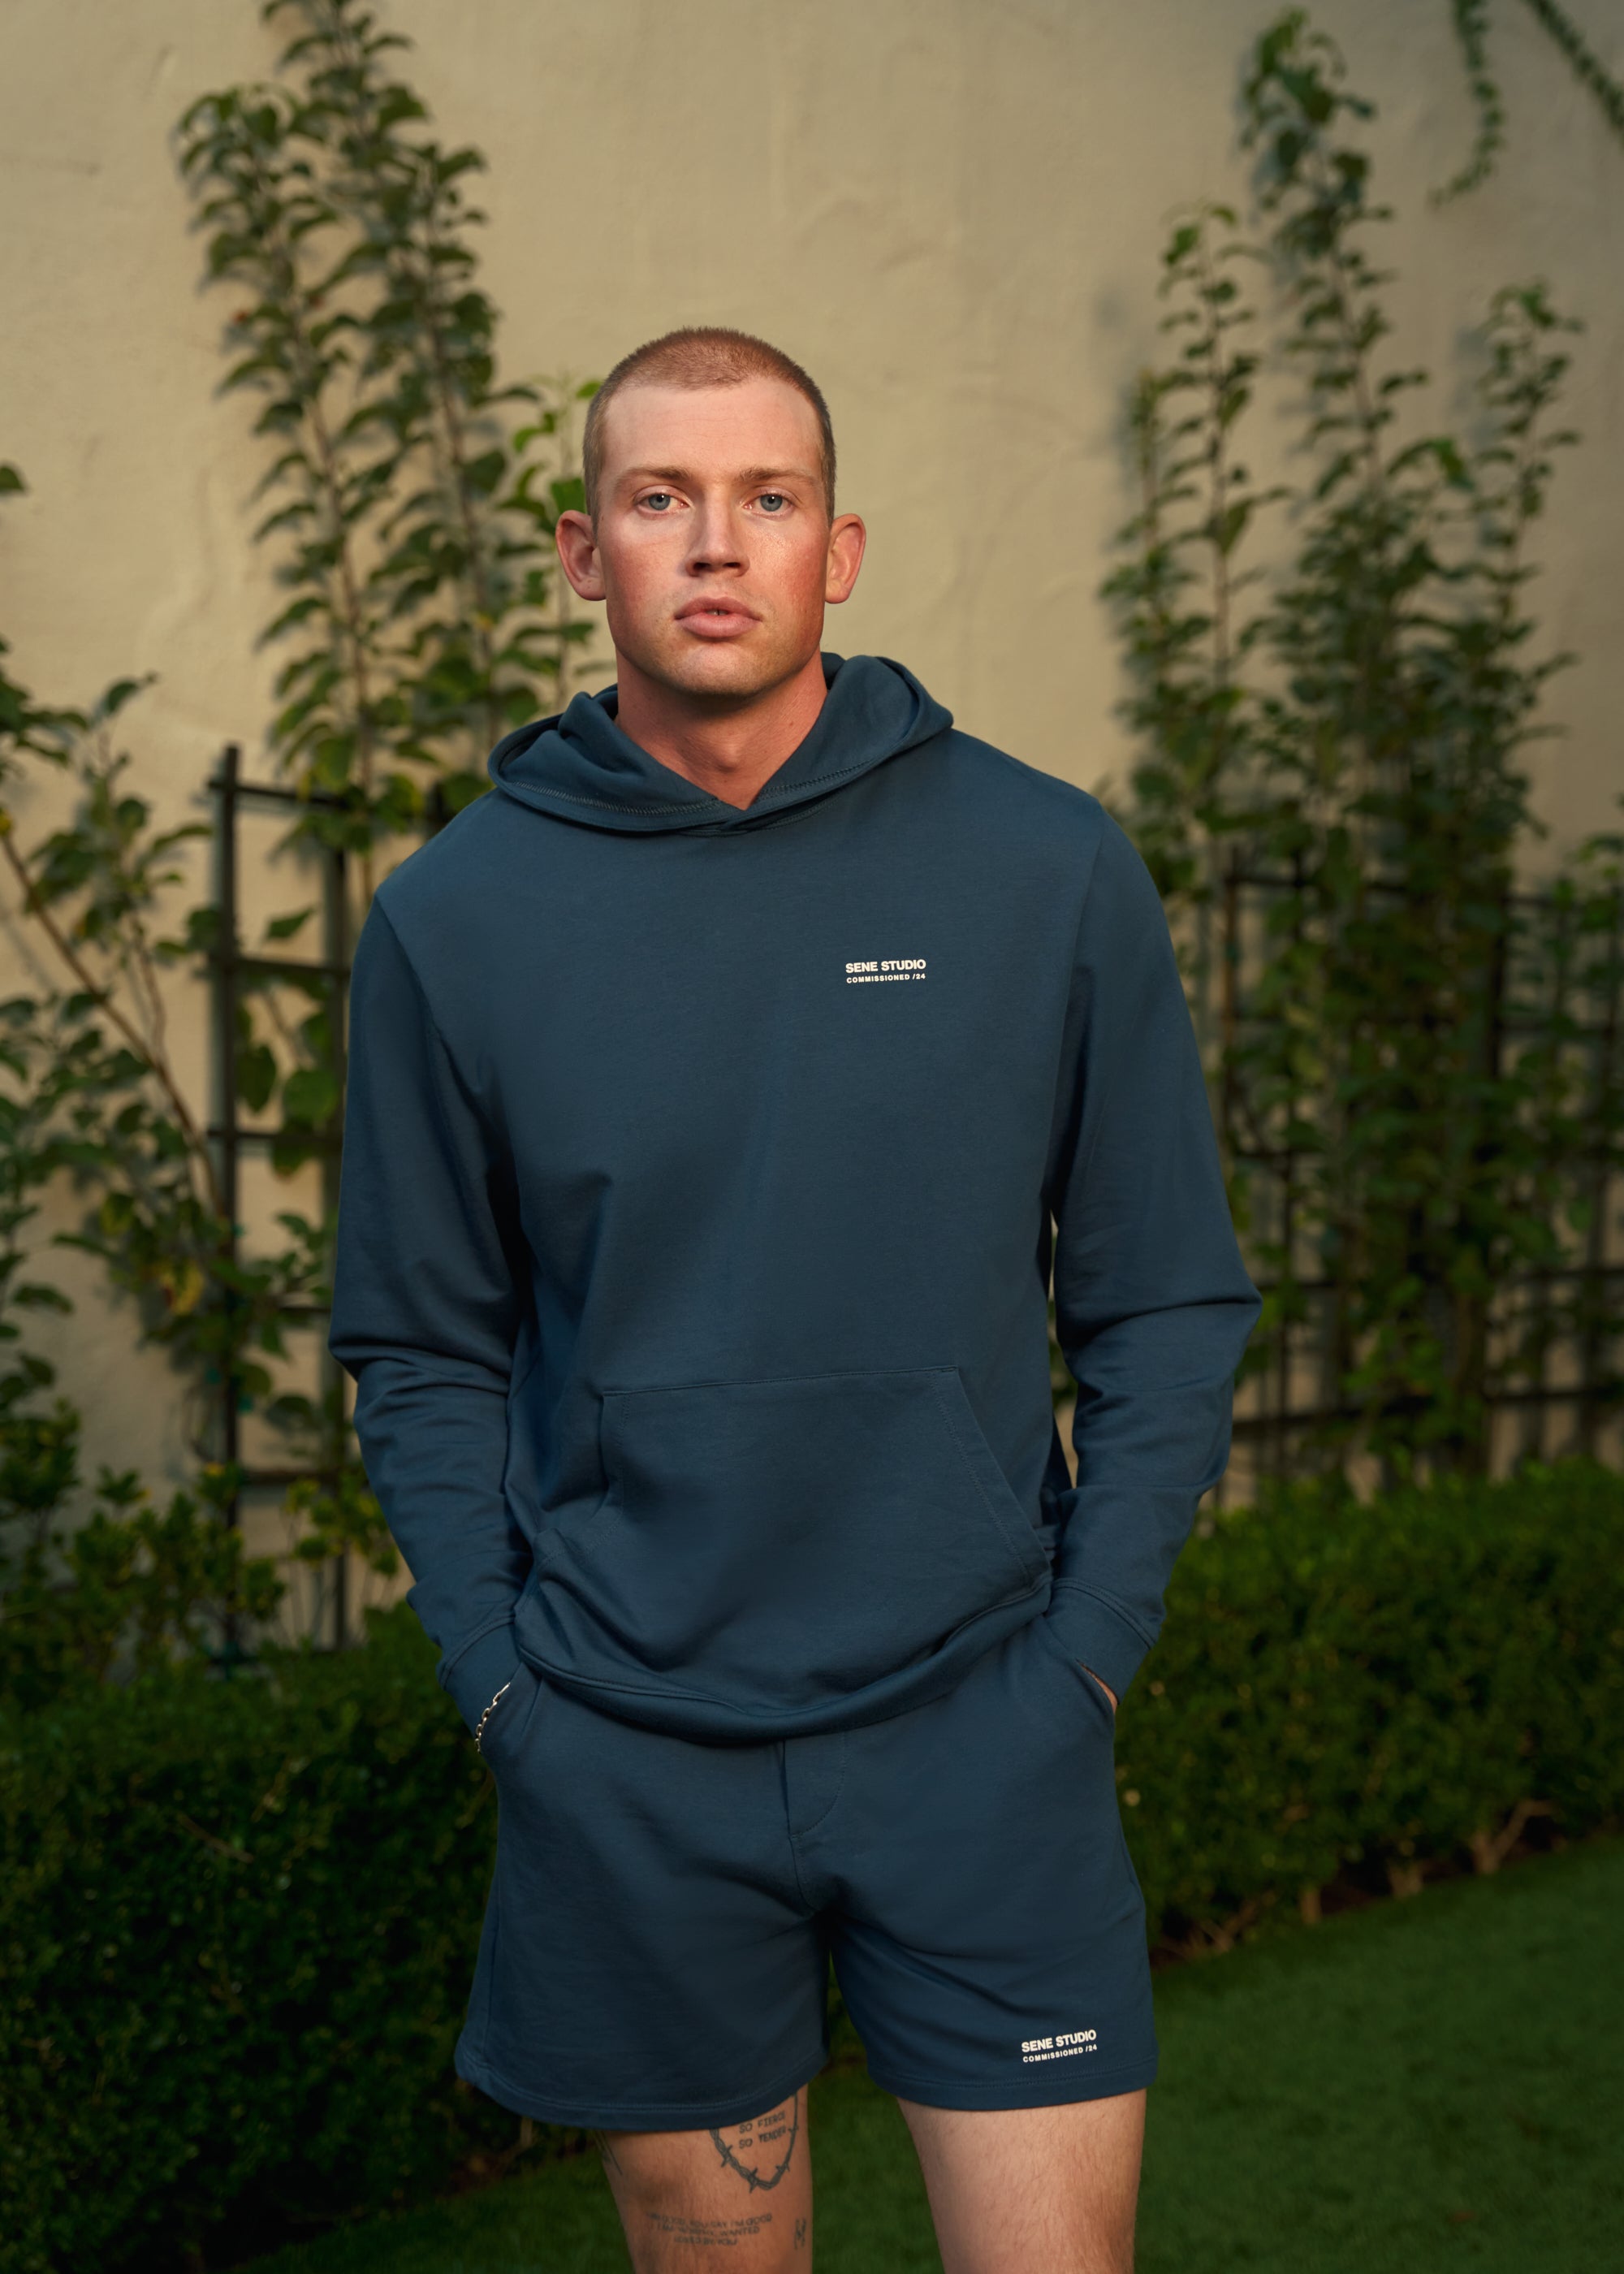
{"points": [[713, 498]]}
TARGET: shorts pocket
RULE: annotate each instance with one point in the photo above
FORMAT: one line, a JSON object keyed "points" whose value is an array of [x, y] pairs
{"points": [[1090, 1683], [777, 1545]]}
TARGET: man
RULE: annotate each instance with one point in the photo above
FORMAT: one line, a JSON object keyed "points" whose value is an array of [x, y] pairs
{"points": [[722, 1089]]}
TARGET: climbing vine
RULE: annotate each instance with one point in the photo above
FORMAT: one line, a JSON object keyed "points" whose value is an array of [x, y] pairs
{"points": [[419, 496], [1331, 790], [410, 497], [1472, 19]]}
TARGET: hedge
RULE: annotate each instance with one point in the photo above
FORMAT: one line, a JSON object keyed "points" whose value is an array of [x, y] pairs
{"points": [[1370, 1690], [236, 1927], [238, 1919]]}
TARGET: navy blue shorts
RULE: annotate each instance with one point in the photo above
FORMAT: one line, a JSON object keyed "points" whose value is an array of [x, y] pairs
{"points": [[656, 1948]]}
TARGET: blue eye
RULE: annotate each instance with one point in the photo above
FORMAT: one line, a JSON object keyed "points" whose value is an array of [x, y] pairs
{"points": [[659, 498], [771, 501]]}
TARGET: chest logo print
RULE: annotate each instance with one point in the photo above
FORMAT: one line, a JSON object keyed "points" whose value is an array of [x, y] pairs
{"points": [[875, 973]]}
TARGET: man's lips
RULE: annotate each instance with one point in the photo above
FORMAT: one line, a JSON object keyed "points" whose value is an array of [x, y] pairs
{"points": [[720, 617]]}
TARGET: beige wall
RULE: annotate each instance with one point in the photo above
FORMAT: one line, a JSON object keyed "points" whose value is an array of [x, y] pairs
{"points": [[950, 209]]}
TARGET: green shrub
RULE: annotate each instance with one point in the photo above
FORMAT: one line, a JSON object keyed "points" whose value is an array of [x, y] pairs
{"points": [[238, 1918], [237, 1928], [1376, 1687]]}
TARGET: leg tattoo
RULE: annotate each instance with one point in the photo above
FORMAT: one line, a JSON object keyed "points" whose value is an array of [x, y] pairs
{"points": [[763, 2146], [710, 2233]]}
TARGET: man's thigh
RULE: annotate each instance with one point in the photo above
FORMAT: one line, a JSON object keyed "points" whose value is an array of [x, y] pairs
{"points": [[1033, 2190], [744, 2189]]}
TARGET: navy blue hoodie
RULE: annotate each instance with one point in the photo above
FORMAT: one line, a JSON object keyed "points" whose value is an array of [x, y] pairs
{"points": [[702, 1172]]}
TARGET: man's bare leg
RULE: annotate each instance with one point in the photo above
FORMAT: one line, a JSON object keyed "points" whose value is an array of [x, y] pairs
{"points": [[738, 2200], [1033, 2190]]}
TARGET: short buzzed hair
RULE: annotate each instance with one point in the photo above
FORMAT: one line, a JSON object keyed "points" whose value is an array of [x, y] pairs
{"points": [[696, 356]]}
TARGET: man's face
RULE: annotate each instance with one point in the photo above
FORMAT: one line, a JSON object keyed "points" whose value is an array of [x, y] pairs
{"points": [[712, 545]]}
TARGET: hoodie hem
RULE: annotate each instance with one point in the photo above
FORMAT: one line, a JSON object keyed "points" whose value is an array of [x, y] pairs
{"points": [[686, 1714]]}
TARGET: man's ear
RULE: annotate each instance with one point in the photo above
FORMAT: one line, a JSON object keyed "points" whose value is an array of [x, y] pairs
{"points": [[846, 539], [578, 550]]}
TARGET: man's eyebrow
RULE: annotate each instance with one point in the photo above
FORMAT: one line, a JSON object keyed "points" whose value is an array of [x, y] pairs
{"points": [[749, 475], [780, 474]]}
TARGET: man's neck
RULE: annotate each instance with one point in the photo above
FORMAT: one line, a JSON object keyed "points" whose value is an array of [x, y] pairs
{"points": [[730, 750]]}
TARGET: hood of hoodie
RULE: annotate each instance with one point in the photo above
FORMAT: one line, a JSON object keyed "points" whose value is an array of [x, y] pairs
{"points": [[581, 767]]}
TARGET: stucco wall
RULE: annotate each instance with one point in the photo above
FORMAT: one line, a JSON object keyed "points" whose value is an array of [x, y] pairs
{"points": [[950, 209]]}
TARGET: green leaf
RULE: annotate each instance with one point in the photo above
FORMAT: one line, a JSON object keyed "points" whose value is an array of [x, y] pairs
{"points": [[311, 1095], [256, 1076]]}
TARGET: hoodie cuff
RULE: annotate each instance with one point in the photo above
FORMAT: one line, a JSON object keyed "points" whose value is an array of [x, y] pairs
{"points": [[478, 1670], [1097, 1634]]}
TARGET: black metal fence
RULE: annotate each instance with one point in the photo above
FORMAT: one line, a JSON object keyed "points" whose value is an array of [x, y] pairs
{"points": [[264, 1477], [1551, 1381]]}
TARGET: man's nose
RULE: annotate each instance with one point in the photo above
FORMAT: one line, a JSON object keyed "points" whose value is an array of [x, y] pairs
{"points": [[718, 540]]}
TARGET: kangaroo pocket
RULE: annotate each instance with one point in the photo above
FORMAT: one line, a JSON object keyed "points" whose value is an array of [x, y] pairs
{"points": [[775, 1546]]}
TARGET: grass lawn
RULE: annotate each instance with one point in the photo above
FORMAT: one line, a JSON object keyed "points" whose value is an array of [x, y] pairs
{"points": [[1421, 2086]]}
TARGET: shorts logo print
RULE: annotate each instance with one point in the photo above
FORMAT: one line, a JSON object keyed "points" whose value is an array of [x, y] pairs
{"points": [[1056, 2047]]}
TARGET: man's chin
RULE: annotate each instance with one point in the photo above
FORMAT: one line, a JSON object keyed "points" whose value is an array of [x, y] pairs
{"points": [[722, 672]]}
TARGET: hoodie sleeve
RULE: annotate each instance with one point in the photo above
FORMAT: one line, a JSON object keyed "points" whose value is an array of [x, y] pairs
{"points": [[427, 1299], [1153, 1304]]}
